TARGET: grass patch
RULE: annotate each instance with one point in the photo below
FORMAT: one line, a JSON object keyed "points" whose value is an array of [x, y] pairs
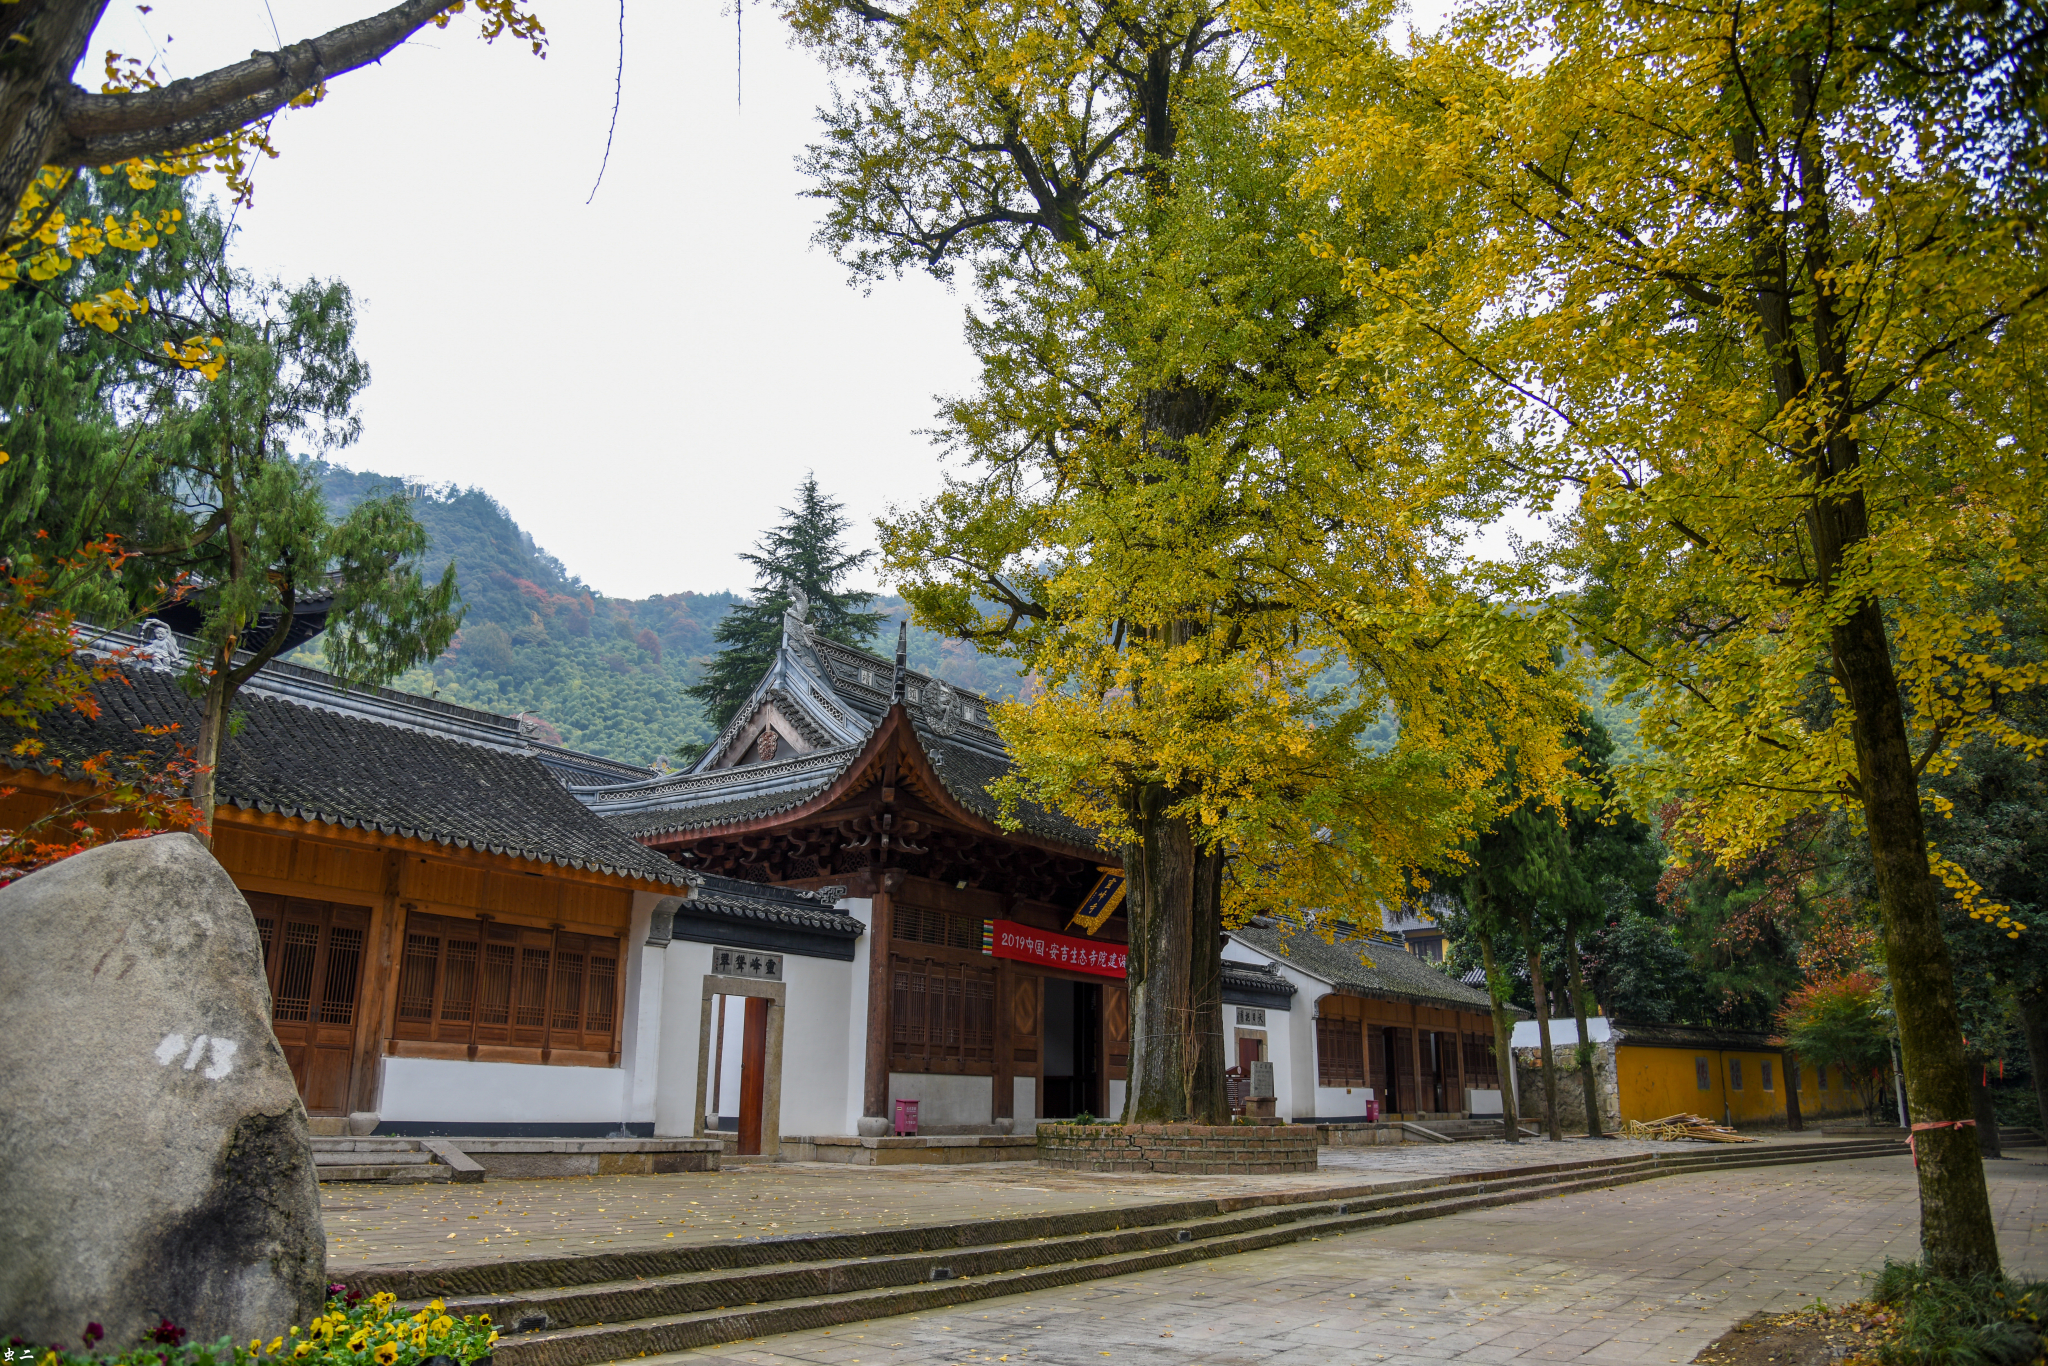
{"points": [[1932, 1321]]}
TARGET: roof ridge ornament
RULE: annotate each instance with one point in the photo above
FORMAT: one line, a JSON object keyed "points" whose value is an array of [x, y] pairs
{"points": [[898, 680]]}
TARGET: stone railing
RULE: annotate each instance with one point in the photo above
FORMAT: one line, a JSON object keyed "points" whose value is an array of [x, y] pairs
{"points": [[1183, 1149]]}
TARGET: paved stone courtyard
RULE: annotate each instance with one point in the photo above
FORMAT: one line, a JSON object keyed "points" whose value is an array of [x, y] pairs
{"points": [[377, 1225], [1647, 1273]]}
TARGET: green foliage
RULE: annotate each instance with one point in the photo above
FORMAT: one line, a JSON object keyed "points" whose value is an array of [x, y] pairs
{"points": [[355, 1330], [611, 674], [805, 552], [1982, 1321], [1841, 1021]]}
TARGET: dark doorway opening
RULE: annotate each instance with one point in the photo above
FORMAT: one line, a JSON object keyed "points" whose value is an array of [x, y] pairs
{"points": [[1390, 1078], [1437, 1062], [1072, 1079]]}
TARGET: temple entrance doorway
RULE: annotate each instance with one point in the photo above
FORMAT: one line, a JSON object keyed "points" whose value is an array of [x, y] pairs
{"points": [[739, 1054], [313, 958], [1072, 1079]]}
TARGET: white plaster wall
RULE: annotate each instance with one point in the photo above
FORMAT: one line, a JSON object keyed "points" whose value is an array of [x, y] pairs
{"points": [[943, 1099], [1117, 1090], [1337, 1102], [856, 1022], [814, 1073], [430, 1089], [1296, 1098], [728, 1062], [1280, 1049], [640, 1031], [1024, 1102], [676, 1096]]}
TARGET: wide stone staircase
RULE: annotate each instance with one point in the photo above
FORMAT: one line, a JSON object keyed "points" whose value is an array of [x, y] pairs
{"points": [[574, 1311]]}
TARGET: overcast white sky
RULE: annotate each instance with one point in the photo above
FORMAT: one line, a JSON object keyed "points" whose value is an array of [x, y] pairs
{"points": [[641, 381]]}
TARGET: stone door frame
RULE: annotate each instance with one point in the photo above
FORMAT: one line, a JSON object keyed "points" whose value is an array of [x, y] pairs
{"points": [[771, 1083]]}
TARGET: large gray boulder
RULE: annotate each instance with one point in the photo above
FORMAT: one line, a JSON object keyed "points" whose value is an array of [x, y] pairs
{"points": [[154, 1157]]}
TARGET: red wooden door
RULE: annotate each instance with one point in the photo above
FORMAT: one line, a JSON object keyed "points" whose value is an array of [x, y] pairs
{"points": [[1249, 1051], [753, 1074], [313, 956]]}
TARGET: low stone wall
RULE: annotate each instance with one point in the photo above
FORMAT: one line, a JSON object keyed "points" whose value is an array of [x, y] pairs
{"points": [[923, 1150], [1181, 1149], [521, 1159]]}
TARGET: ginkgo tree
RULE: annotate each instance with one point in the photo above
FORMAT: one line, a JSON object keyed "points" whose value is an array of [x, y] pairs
{"points": [[1744, 283], [1259, 675]]}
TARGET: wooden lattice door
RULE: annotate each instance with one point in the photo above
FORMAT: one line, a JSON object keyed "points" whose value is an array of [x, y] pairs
{"points": [[313, 956]]}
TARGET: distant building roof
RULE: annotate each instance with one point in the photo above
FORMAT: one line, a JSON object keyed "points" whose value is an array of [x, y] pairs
{"points": [[1370, 967], [1693, 1036]]}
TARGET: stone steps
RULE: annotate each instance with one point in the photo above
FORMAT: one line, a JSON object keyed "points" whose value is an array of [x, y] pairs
{"points": [[616, 1305]]}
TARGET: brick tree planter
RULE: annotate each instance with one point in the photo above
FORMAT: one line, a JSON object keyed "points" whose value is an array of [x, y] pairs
{"points": [[1183, 1149]]}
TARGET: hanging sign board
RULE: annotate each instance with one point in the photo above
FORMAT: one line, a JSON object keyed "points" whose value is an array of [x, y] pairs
{"points": [[1102, 902], [1065, 951]]}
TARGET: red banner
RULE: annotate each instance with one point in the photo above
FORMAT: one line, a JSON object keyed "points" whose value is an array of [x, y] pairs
{"points": [[1057, 950]]}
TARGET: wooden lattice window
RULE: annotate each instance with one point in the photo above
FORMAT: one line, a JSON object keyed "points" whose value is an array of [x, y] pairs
{"points": [[1481, 1070], [942, 1016], [923, 925], [313, 958], [485, 982], [1340, 1052]]}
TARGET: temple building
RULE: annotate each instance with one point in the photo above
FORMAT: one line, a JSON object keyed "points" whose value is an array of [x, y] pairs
{"points": [[824, 924]]}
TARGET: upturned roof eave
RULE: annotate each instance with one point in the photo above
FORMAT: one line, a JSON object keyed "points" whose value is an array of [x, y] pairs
{"points": [[895, 723]]}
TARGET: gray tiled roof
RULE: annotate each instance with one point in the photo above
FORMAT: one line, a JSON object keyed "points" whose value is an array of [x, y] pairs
{"points": [[1690, 1036], [722, 796], [964, 750], [1366, 967], [733, 899], [345, 768], [1256, 977]]}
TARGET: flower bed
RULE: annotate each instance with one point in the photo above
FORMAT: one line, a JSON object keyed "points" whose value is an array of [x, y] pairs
{"points": [[356, 1330]]}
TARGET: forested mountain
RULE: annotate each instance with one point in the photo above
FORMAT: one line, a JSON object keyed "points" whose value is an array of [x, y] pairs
{"points": [[607, 674]]}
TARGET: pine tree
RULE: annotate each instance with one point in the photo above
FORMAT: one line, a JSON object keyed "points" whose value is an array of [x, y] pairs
{"points": [[806, 549]]}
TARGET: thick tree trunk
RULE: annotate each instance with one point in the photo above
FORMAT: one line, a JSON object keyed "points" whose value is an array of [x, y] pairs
{"points": [[1956, 1228], [45, 40], [1162, 867], [1794, 1122], [213, 724], [1987, 1115], [2034, 1019], [1503, 1040], [1586, 1051], [47, 119], [1208, 1095], [1535, 951]]}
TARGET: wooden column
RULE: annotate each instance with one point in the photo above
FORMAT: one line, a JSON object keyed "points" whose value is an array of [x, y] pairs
{"points": [[1458, 1054], [875, 1087], [380, 971], [1415, 1048], [1005, 1058]]}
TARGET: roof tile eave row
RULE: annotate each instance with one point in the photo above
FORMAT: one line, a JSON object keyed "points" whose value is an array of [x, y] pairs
{"points": [[449, 840]]}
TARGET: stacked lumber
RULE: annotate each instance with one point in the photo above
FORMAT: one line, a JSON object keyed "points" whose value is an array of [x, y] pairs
{"points": [[1671, 1128]]}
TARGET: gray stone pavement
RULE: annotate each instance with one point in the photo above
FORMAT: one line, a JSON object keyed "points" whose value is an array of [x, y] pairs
{"points": [[1646, 1273], [377, 1225]]}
